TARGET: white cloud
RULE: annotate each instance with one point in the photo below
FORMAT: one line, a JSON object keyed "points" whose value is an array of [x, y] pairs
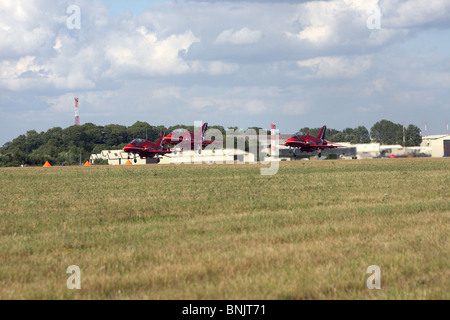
{"points": [[414, 13], [336, 67], [242, 36], [213, 68], [144, 53], [371, 107], [294, 108], [24, 73], [377, 86], [316, 34], [166, 93], [255, 106], [61, 104], [233, 106], [332, 23]]}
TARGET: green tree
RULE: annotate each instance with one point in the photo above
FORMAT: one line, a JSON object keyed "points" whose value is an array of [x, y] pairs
{"points": [[361, 135], [157, 131], [413, 136], [357, 135], [53, 136], [220, 128], [348, 135], [387, 132], [314, 131], [115, 135], [333, 135], [33, 141], [144, 130]]}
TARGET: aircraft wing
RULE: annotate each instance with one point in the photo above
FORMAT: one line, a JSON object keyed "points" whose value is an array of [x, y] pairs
{"points": [[155, 151], [159, 151], [297, 143], [324, 146]]}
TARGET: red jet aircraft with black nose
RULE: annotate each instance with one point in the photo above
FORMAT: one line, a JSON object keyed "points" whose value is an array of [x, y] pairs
{"points": [[146, 149], [308, 143]]}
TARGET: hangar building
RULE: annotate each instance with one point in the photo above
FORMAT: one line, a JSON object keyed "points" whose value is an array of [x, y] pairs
{"points": [[118, 157], [439, 144]]}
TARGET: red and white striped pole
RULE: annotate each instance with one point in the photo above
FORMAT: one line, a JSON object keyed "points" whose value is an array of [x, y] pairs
{"points": [[404, 140], [272, 142], [77, 113]]}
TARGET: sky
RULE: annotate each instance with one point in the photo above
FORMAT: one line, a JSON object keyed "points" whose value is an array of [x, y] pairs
{"points": [[341, 63]]}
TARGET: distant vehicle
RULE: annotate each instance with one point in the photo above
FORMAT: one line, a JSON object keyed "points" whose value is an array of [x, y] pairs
{"points": [[183, 137], [146, 149], [308, 143]]}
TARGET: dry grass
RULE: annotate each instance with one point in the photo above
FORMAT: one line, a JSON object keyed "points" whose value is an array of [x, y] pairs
{"points": [[226, 232]]}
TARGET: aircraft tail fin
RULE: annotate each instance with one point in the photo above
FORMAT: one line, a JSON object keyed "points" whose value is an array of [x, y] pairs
{"points": [[204, 128], [160, 140], [322, 132], [202, 131]]}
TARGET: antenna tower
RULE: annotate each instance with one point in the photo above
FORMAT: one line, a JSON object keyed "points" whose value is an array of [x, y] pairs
{"points": [[272, 139], [404, 138], [77, 113]]}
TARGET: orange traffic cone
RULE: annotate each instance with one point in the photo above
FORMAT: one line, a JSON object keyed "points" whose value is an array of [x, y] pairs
{"points": [[87, 164], [128, 163], [46, 164]]}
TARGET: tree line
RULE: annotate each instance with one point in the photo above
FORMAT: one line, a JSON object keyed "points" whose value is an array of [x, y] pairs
{"points": [[75, 144], [384, 132]]}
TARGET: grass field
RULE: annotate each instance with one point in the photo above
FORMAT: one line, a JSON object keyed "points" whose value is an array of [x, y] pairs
{"points": [[226, 232]]}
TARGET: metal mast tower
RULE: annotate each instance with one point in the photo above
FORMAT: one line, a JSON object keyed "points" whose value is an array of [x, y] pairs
{"points": [[77, 113], [272, 139], [404, 139]]}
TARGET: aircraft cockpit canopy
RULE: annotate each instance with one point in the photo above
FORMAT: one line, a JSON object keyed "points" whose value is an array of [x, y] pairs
{"points": [[178, 132], [299, 135], [135, 142]]}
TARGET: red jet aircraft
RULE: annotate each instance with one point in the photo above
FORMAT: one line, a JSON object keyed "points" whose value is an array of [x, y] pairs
{"points": [[183, 136], [146, 149], [306, 142]]}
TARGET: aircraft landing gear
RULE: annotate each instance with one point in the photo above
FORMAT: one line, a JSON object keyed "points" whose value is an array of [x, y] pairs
{"points": [[135, 160]]}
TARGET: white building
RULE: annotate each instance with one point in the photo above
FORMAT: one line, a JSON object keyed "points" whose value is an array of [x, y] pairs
{"points": [[439, 144], [221, 156]]}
